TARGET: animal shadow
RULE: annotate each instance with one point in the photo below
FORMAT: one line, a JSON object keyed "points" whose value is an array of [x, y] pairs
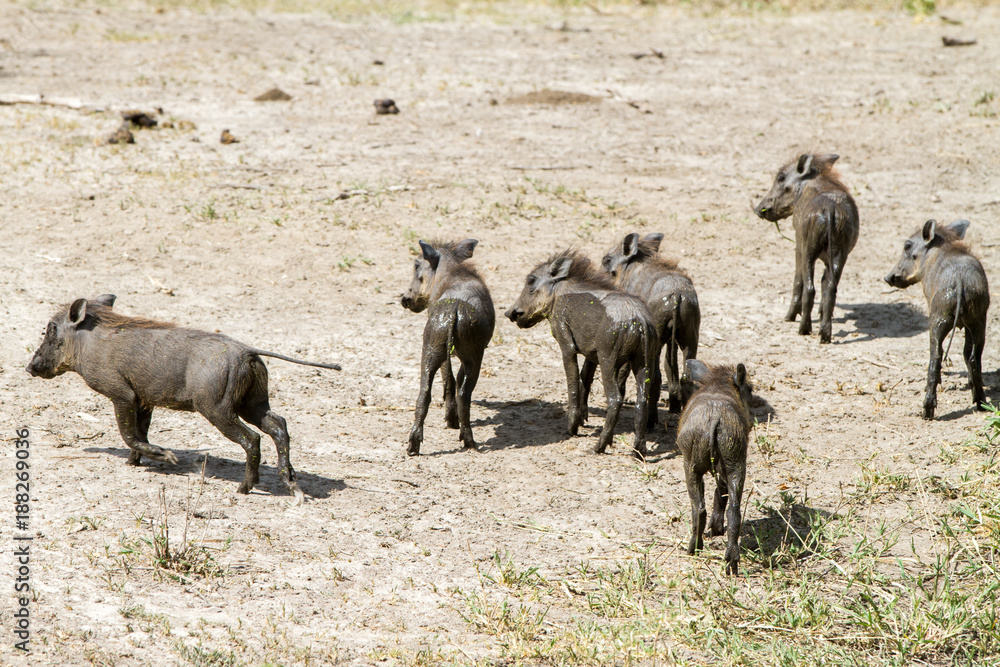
{"points": [[785, 535], [534, 422], [528, 423], [189, 462], [882, 320]]}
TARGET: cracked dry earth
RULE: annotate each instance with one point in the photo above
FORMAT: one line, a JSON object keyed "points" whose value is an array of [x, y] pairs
{"points": [[529, 133]]}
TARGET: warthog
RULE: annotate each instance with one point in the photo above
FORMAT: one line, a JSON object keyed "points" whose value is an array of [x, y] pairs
{"points": [[143, 364], [825, 219], [460, 321], [636, 267], [712, 436], [589, 317], [957, 296]]}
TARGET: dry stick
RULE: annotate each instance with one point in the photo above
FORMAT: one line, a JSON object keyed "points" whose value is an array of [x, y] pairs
{"points": [[881, 365]]}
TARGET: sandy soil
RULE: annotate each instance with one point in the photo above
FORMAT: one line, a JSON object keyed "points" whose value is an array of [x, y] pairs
{"points": [[298, 239]]}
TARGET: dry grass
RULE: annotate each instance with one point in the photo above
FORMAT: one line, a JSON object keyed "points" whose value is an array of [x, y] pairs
{"points": [[821, 587]]}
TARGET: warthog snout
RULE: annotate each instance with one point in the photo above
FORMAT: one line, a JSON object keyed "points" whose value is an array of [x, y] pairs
{"points": [[895, 280], [765, 211], [513, 313]]}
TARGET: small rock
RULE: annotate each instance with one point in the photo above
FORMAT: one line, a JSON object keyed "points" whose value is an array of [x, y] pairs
{"points": [[139, 118], [384, 107], [228, 138], [273, 95], [122, 135]]}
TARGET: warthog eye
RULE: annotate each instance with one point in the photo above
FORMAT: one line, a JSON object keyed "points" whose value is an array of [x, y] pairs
{"points": [[530, 282]]}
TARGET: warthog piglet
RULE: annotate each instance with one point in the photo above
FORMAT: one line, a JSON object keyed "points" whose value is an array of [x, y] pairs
{"points": [[591, 318], [636, 267], [143, 364], [957, 296], [712, 436], [460, 321], [825, 219]]}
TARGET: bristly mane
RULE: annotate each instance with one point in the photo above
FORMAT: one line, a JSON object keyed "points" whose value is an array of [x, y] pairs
{"points": [[106, 317], [649, 253], [464, 267], [827, 170], [582, 269], [722, 376], [951, 240], [832, 175]]}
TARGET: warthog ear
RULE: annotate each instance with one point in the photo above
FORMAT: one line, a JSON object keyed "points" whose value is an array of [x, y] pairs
{"points": [[78, 312], [630, 245], [929, 230], [826, 160], [430, 254], [741, 375], [464, 249], [696, 370], [653, 241], [960, 227], [804, 165], [105, 300], [559, 269]]}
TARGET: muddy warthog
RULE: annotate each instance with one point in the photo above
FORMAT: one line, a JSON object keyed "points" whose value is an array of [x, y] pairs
{"points": [[589, 317], [636, 267], [825, 219], [712, 436], [460, 321], [957, 296], [143, 364]]}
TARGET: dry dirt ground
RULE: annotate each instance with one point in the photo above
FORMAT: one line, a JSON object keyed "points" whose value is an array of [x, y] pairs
{"points": [[300, 237]]}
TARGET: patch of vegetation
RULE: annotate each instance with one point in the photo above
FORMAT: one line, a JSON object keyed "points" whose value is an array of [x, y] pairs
{"points": [[841, 587], [179, 560]]}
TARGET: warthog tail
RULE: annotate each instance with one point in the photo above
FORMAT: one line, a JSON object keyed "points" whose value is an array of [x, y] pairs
{"points": [[265, 353]]}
